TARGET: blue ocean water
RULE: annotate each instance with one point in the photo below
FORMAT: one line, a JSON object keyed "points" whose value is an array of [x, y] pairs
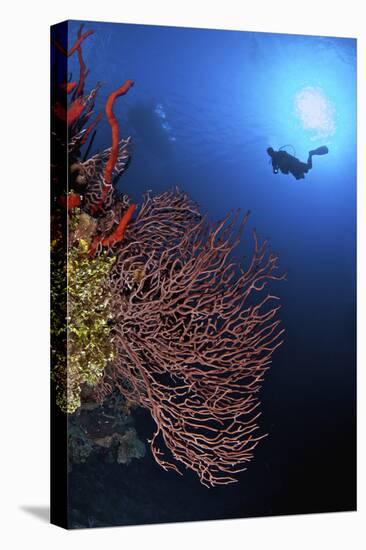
{"points": [[205, 106]]}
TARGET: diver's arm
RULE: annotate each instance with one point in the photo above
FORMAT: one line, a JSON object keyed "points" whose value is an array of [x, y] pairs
{"points": [[275, 164]]}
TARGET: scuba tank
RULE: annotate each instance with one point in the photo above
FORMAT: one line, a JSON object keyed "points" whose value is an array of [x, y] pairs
{"points": [[323, 150], [288, 145]]}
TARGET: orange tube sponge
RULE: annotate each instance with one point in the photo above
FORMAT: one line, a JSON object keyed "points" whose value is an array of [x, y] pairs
{"points": [[70, 201], [80, 39], [114, 126], [117, 235], [68, 87], [107, 176]]}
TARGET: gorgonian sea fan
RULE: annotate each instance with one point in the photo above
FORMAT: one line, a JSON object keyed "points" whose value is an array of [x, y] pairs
{"points": [[194, 332]]}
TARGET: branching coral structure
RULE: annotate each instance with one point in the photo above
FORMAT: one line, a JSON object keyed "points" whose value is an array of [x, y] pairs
{"points": [[194, 332]]}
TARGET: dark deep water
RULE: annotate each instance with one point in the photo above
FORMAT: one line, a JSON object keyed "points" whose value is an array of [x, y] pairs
{"points": [[204, 108]]}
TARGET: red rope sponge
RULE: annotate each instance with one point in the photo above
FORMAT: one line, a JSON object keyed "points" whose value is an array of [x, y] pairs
{"points": [[117, 235], [113, 157], [80, 39], [114, 126]]}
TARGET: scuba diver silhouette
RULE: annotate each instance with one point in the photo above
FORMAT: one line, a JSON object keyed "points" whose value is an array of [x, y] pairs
{"points": [[289, 164]]}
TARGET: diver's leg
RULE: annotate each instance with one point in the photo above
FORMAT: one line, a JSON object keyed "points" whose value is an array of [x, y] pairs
{"points": [[310, 160]]}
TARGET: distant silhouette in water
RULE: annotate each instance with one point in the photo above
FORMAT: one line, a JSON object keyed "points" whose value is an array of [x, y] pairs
{"points": [[289, 164], [149, 129]]}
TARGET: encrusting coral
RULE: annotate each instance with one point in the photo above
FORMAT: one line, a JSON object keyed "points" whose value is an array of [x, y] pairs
{"points": [[87, 322]]}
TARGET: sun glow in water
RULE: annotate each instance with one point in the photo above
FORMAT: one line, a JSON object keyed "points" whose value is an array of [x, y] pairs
{"points": [[315, 112]]}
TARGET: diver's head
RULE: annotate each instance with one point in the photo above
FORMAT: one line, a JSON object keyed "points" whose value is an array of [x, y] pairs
{"points": [[270, 151]]}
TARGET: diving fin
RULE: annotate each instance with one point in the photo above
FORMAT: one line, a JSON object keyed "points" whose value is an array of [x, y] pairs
{"points": [[323, 150]]}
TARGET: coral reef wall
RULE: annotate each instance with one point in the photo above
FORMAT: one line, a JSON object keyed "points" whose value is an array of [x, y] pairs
{"points": [[160, 307]]}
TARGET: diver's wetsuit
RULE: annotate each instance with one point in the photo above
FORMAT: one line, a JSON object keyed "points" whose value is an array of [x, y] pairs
{"points": [[290, 164]]}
